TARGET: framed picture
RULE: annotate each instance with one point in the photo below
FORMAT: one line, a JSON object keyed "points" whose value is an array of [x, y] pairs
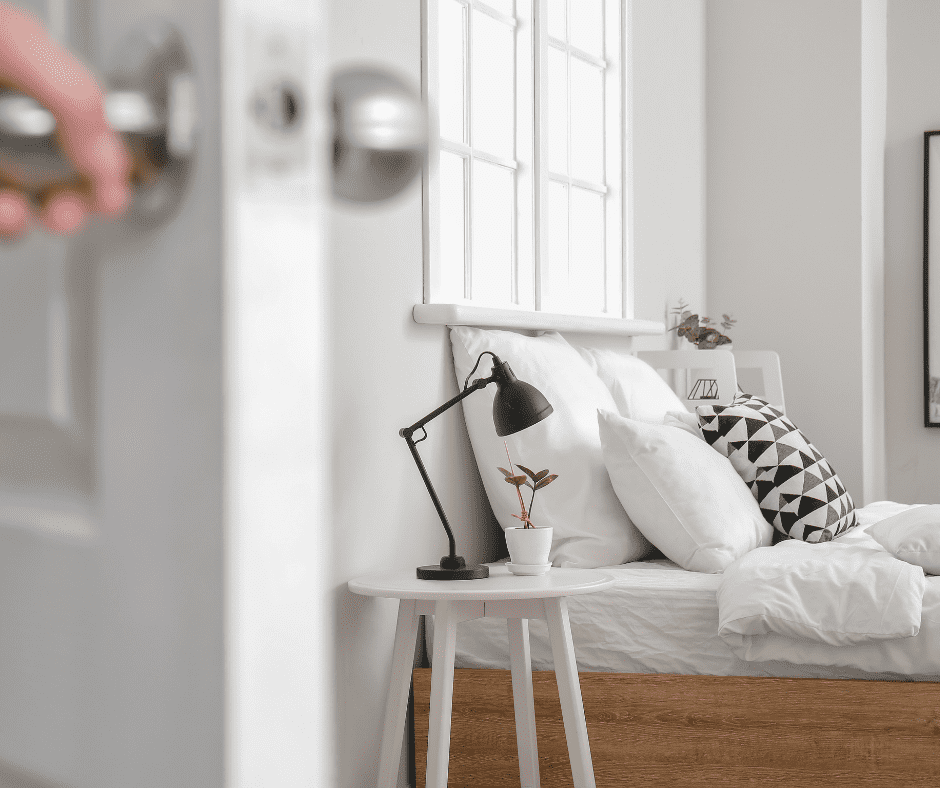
{"points": [[932, 279]]}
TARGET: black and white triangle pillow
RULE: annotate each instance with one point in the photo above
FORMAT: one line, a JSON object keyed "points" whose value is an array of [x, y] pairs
{"points": [[795, 486]]}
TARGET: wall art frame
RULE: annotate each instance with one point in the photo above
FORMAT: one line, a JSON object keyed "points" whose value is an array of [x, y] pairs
{"points": [[931, 280]]}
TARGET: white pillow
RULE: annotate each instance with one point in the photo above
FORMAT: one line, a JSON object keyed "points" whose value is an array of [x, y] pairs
{"points": [[684, 420], [685, 497], [638, 390], [591, 528], [912, 536]]}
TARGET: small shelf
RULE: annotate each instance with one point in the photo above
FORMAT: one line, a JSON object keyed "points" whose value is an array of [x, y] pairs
{"points": [[488, 317]]}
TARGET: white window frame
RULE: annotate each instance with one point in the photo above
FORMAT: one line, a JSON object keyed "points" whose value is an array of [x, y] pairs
{"points": [[530, 286]]}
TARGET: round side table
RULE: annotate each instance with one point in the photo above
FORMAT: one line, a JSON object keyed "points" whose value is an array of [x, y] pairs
{"points": [[501, 595]]}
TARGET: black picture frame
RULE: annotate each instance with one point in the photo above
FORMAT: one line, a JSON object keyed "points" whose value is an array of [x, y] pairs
{"points": [[931, 284]]}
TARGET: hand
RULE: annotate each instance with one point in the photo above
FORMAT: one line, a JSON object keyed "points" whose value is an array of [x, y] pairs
{"points": [[32, 63]]}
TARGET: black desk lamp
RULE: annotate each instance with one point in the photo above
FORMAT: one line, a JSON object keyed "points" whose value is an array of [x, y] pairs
{"points": [[516, 407]]}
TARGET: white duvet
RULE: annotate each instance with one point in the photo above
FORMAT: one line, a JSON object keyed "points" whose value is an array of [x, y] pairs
{"points": [[836, 593], [804, 602]]}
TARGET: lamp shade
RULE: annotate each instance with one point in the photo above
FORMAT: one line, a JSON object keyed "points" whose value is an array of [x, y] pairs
{"points": [[517, 405]]}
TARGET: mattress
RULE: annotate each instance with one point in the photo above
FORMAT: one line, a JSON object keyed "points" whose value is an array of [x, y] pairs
{"points": [[660, 618]]}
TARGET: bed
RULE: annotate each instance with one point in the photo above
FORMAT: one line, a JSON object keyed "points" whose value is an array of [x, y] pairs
{"points": [[668, 702]]}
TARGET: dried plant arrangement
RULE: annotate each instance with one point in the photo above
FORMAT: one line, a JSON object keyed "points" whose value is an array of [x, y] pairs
{"points": [[701, 332], [534, 481]]}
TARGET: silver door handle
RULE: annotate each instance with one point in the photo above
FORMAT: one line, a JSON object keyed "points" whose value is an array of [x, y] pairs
{"points": [[380, 135], [127, 111], [153, 104]]}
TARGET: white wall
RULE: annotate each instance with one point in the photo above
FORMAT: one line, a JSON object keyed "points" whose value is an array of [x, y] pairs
{"points": [[913, 451], [874, 126], [668, 97], [792, 214], [389, 371]]}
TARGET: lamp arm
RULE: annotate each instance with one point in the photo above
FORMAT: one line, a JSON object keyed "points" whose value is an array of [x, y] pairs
{"points": [[408, 432], [475, 386]]}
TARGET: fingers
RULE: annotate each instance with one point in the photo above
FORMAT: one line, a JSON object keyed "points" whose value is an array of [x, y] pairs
{"points": [[35, 64], [14, 215], [64, 213], [38, 66], [102, 158]]}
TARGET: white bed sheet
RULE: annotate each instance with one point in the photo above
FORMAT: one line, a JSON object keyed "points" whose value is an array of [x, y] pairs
{"points": [[659, 618]]}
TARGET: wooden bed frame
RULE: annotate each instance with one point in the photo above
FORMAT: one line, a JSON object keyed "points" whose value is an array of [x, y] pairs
{"points": [[661, 731]]}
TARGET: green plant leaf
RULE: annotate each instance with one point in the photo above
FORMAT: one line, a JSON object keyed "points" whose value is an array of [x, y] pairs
{"points": [[515, 480], [546, 482], [506, 473], [523, 468], [529, 486]]}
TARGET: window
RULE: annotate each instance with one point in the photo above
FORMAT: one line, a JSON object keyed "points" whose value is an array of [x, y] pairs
{"points": [[524, 195]]}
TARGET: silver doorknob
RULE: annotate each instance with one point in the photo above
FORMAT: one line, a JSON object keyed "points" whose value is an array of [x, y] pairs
{"points": [[379, 135], [153, 105]]}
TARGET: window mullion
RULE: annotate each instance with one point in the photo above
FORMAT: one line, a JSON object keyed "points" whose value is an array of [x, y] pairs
{"points": [[468, 162], [525, 225], [430, 84], [482, 155], [514, 273], [608, 261], [571, 49], [618, 295], [540, 42], [568, 136]]}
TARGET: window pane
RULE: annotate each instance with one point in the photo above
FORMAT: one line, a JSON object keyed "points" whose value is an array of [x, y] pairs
{"points": [[587, 25], [451, 54], [587, 121], [557, 274], [503, 6], [492, 111], [452, 224], [492, 233], [556, 19], [586, 283], [557, 111]]}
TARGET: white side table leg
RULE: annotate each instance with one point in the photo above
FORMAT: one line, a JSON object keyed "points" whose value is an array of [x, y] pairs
{"points": [[521, 663], [442, 692], [569, 692], [397, 703]]}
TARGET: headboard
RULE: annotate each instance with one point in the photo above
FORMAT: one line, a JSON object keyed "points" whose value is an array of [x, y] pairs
{"points": [[685, 367]]}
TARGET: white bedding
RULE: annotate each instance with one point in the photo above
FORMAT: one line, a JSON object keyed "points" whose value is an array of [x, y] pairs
{"points": [[659, 618], [838, 593]]}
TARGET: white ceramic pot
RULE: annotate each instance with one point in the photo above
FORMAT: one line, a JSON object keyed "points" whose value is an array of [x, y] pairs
{"points": [[529, 546]]}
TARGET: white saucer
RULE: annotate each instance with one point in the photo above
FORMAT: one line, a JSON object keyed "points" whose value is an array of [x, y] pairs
{"points": [[528, 569]]}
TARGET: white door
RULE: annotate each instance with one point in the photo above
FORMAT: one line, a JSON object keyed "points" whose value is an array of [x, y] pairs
{"points": [[162, 480]]}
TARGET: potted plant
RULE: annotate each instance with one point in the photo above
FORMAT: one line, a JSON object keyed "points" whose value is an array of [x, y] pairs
{"points": [[529, 545], [701, 332]]}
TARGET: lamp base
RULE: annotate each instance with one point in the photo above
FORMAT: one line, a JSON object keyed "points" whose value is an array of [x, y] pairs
{"points": [[437, 572]]}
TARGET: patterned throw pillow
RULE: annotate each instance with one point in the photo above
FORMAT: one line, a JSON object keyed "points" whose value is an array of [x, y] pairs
{"points": [[795, 486]]}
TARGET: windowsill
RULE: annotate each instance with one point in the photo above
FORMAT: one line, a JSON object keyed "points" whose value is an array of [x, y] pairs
{"points": [[489, 317]]}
